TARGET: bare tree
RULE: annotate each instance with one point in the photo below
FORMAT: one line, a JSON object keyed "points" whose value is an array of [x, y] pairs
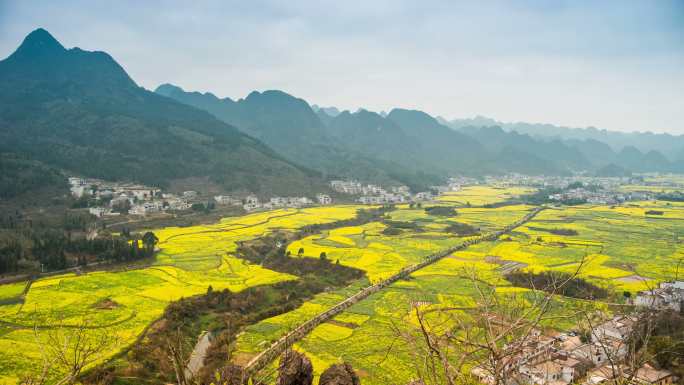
{"points": [[488, 339], [68, 349]]}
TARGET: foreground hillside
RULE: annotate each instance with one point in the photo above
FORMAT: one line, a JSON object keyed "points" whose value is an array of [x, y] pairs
{"points": [[79, 111]]}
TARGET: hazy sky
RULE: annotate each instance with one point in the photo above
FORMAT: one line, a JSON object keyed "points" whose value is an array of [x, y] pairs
{"points": [[611, 64]]}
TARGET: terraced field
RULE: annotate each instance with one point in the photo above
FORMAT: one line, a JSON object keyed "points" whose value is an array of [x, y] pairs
{"points": [[190, 260], [483, 195], [622, 245], [380, 255], [626, 248]]}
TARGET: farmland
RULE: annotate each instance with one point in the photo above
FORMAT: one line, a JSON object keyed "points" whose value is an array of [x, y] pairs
{"points": [[190, 260], [483, 195], [621, 248]]}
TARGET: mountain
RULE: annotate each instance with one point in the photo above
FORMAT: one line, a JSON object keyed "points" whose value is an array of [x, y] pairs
{"points": [[436, 143], [554, 154], [291, 127], [568, 150], [370, 133], [667, 144], [596, 152], [330, 111], [20, 174], [80, 111], [612, 170]]}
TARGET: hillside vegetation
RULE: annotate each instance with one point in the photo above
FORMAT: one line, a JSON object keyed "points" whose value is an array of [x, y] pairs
{"points": [[79, 111]]}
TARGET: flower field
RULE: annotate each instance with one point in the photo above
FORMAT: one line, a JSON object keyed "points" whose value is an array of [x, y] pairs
{"points": [[623, 248], [482, 195], [191, 259]]}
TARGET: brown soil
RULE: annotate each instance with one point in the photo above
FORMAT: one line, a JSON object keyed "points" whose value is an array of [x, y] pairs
{"points": [[633, 278], [106, 304]]}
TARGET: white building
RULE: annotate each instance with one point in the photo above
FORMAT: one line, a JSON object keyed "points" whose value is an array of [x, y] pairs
{"points": [[98, 211], [278, 201], [80, 191], [251, 203], [178, 204], [143, 194], [666, 295], [227, 200], [423, 196], [324, 199]]}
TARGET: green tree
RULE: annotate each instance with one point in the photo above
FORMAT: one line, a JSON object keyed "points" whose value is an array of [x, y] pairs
{"points": [[149, 241]]}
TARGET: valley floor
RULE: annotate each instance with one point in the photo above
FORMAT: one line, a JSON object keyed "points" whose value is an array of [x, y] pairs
{"points": [[623, 249]]}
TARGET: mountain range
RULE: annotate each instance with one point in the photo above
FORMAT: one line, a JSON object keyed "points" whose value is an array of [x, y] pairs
{"points": [[418, 142], [79, 111], [672, 146]]}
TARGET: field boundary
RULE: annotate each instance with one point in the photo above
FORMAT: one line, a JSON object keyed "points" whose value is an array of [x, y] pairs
{"points": [[261, 360]]}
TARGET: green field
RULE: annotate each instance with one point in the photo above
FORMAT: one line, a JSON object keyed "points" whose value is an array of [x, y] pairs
{"points": [[190, 260], [620, 245], [624, 248]]}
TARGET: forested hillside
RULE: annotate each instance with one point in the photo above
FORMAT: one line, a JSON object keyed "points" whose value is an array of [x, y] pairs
{"points": [[79, 111]]}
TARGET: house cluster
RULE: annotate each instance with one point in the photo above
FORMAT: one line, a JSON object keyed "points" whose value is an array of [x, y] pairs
{"points": [[593, 197], [453, 184], [600, 197], [371, 194], [251, 202], [668, 295], [113, 198], [565, 358]]}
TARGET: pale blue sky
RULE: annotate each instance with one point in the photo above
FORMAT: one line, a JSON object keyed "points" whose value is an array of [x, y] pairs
{"points": [[611, 64]]}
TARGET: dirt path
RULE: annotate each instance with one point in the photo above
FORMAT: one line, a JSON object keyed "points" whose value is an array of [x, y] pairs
{"points": [[196, 362]]}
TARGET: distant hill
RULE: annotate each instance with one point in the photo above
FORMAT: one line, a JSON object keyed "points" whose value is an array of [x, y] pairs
{"points": [[437, 144], [80, 111], [667, 144], [407, 146], [612, 170], [533, 156], [291, 127]]}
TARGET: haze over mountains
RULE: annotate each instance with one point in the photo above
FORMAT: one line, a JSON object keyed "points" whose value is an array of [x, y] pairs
{"points": [[418, 141], [669, 145], [79, 111]]}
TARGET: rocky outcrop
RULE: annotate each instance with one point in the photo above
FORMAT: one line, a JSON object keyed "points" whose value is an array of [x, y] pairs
{"points": [[295, 369], [339, 374]]}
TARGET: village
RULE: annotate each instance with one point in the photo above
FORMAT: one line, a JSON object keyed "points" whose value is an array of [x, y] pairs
{"points": [[114, 198], [601, 357], [107, 199], [371, 194]]}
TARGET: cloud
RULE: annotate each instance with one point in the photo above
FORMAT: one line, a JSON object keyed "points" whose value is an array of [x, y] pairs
{"points": [[612, 64]]}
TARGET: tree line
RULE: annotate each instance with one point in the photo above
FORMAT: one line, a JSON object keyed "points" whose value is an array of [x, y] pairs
{"points": [[54, 250]]}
